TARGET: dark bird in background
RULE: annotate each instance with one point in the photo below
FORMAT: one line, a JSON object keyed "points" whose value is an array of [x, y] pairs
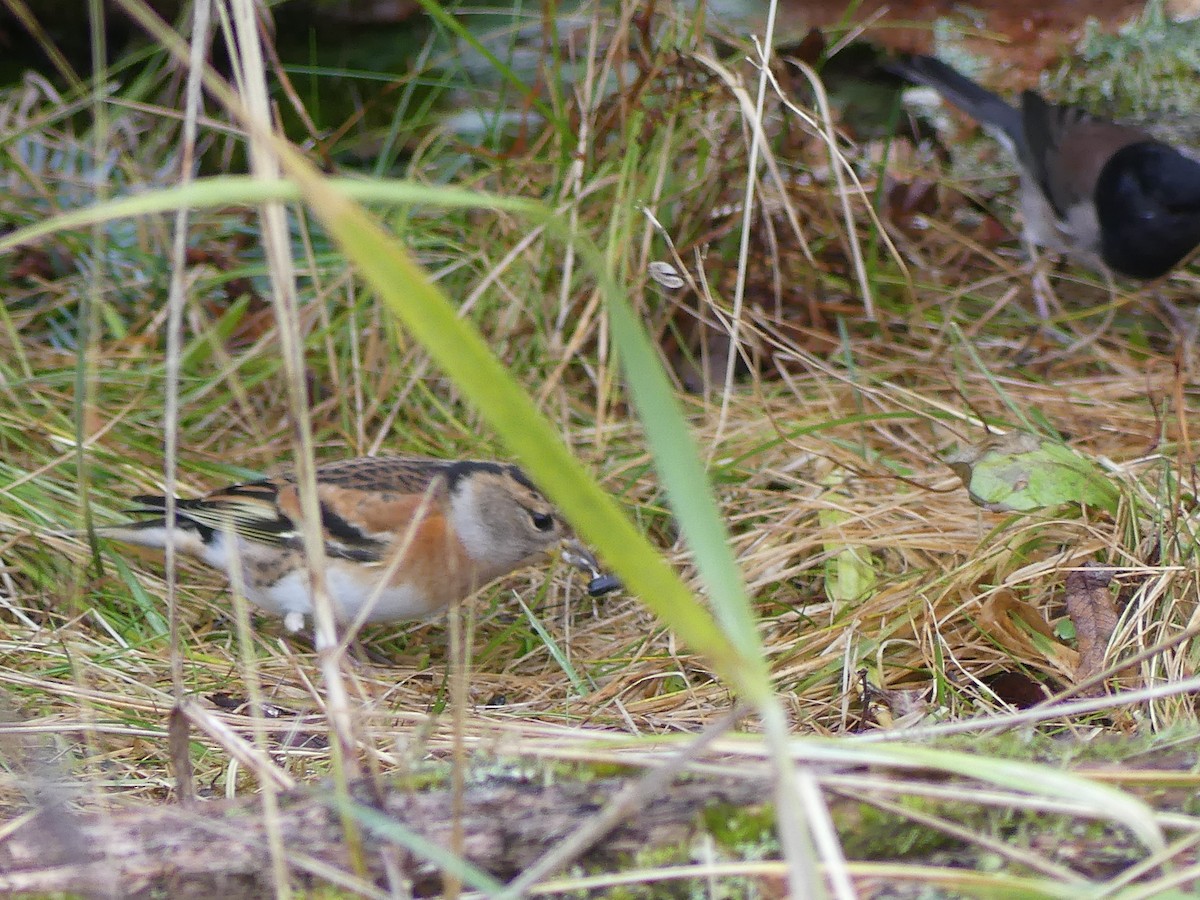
{"points": [[1108, 195]]}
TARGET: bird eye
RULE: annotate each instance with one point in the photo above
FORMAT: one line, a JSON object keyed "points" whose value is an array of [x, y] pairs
{"points": [[542, 521]]}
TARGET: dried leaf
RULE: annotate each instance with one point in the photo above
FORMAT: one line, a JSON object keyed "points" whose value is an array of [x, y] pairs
{"points": [[1009, 621], [1094, 613], [891, 707]]}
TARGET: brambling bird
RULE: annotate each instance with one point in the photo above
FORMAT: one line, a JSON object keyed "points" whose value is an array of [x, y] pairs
{"points": [[1109, 195], [405, 537]]}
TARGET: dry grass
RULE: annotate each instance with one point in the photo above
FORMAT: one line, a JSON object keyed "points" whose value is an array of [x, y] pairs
{"points": [[827, 453]]}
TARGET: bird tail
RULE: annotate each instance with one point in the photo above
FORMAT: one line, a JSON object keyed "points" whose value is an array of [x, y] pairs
{"points": [[188, 535], [990, 110]]}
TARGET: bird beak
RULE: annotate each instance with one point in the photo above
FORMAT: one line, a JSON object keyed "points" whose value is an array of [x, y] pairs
{"points": [[579, 556]]}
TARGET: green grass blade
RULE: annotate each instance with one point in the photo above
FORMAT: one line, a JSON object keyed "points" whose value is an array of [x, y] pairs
{"points": [[1108, 802]]}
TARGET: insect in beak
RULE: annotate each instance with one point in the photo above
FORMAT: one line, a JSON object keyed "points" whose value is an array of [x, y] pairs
{"points": [[579, 556]]}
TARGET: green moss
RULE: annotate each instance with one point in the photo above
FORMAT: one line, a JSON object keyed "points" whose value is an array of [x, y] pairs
{"points": [[739, 829], [870, 833], [1148, 66]]}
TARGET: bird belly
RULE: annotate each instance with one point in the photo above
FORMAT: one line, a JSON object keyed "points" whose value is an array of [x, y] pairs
{"points": [[1042, 225], [350, 595], [276, 580], [288, 596], [354, 589], [291, 594], [272, 578], [1082, 235], [1077, 235]]}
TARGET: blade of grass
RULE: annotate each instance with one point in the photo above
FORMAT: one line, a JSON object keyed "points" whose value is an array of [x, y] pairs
{"points": [[397, 833], [1107, 802], [556, 652]]}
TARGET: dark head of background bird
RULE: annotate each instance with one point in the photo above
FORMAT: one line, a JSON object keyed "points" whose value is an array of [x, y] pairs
{"points": [[1148, 204], [1104, 192]]}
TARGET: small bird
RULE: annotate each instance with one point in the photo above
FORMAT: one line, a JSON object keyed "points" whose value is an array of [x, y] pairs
{"points": [[405, 537], [1109, 195]]}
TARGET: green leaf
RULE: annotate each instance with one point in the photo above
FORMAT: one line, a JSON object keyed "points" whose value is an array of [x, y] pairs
{"points": [[1021, 472], [849, 569]]}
